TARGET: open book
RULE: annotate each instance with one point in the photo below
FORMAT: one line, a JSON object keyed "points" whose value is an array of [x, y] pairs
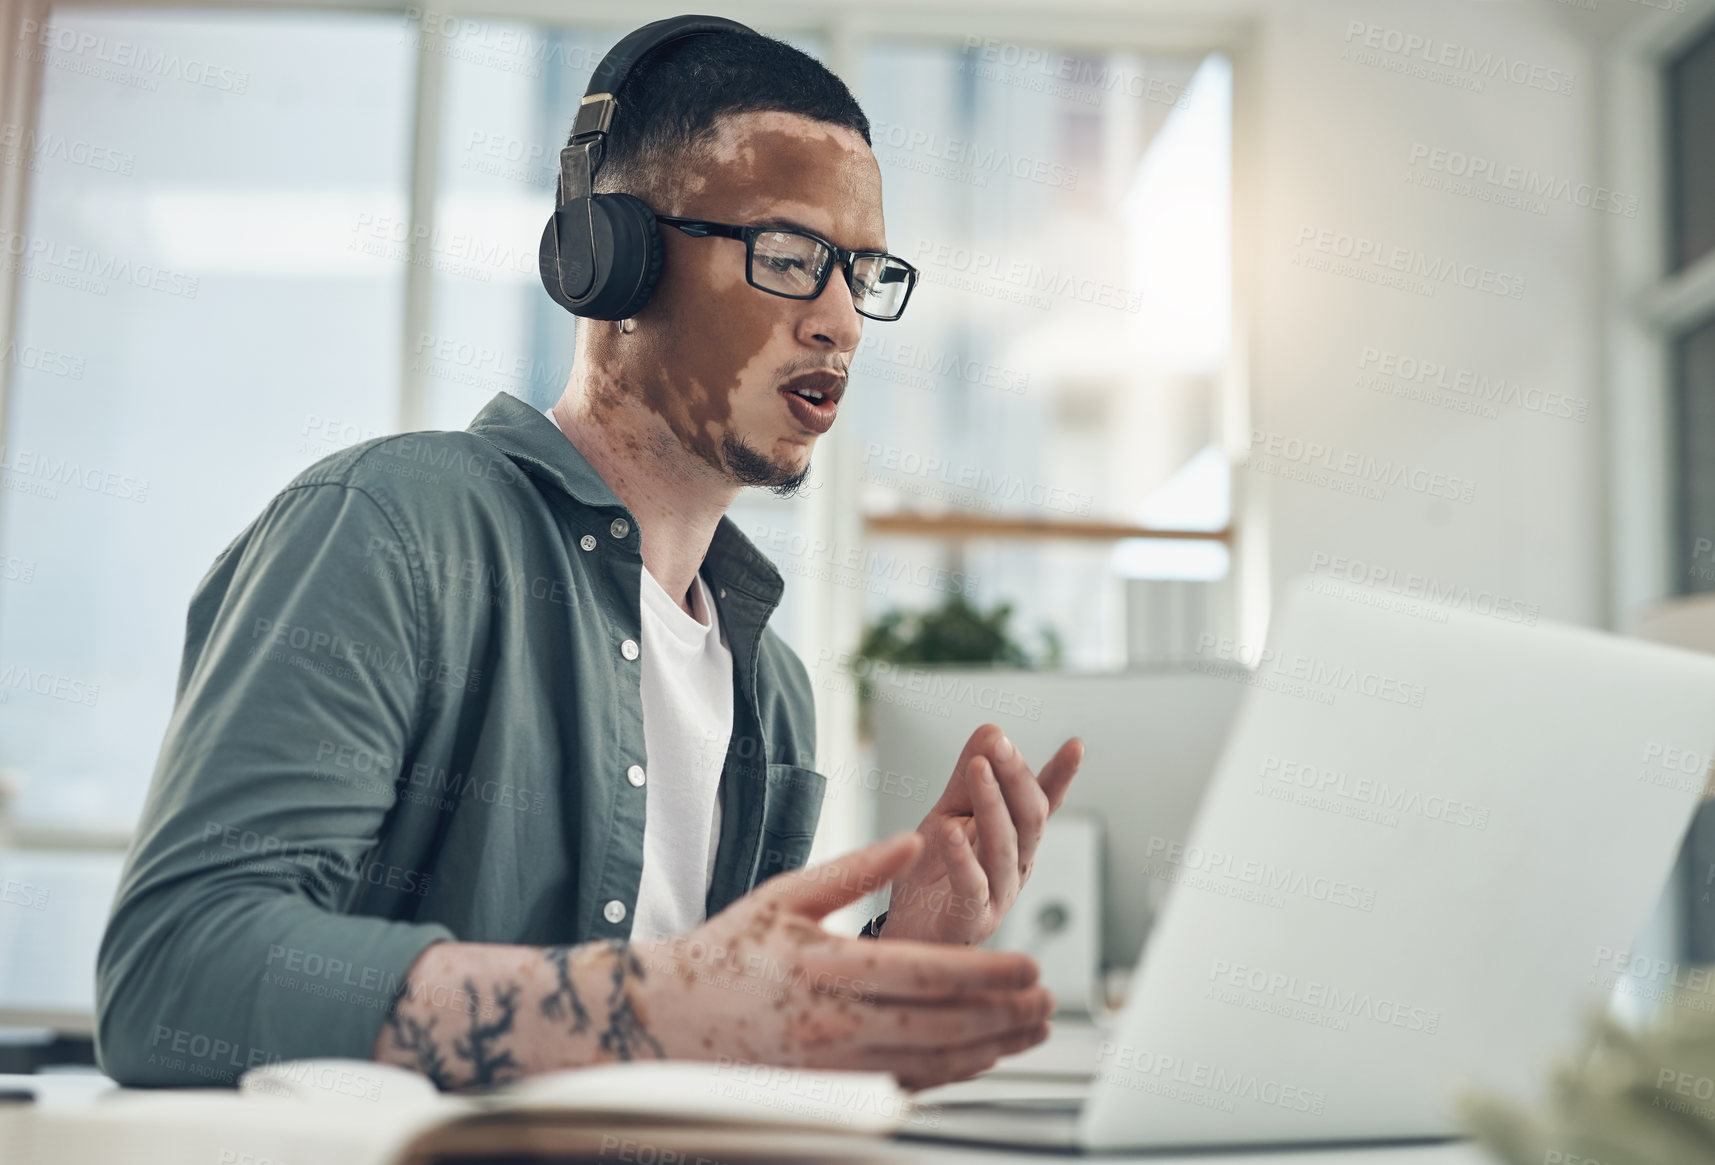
{"points": [[715, 1092], [665, 1110]]}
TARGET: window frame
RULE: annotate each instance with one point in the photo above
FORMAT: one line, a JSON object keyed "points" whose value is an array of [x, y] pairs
{"points": [[1647, 306]]}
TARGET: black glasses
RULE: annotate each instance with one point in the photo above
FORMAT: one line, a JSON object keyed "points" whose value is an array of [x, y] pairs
{"points": [[796, 264]]}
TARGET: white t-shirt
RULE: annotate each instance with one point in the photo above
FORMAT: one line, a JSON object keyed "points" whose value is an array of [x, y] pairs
{"points": [[687, 722]]}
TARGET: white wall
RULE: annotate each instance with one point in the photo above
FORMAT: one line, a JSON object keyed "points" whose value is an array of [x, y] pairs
{"points": [[1336, 145]]}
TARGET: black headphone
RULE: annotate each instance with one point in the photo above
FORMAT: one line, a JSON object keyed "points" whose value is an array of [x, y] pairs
{"points": [[601, 253]]}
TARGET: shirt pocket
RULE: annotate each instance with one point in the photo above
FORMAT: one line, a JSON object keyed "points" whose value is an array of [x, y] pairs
{"points": [[792, 804]]}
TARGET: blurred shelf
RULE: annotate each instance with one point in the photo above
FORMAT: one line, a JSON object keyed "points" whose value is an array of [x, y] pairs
{"points": [[49, 1022], [954, 526], [60, 838]]}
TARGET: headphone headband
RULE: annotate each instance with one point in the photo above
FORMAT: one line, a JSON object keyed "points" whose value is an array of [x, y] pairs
{"points": [[601, 253], [596, 111]]}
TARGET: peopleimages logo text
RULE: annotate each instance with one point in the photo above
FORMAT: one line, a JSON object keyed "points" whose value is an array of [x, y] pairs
{"points": [[936, 685], [977, 157], [1028, 276], [1085, 78], [1318, 672], [980, 480], [1484, 63], [1263, 874], [1144, 1063], [1475, 168], [1467, 382], [1315, 993], [1359, 250], [1360, 467], [1372, 791], [125, 54], [1455, 596]]}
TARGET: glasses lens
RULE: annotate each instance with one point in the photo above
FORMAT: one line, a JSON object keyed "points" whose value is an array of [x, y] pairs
{"points": [[880, 284], [789, 263]]}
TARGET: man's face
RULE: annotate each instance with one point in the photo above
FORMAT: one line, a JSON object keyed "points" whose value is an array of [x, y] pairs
{"points": [[712, 355]]}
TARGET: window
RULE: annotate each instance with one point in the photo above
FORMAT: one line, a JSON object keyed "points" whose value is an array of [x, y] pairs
{"points": [[1690, 92], [1694, 374], [1687, 332], [1691, 98], [1061, 360], [208, 304], [505, 115]]}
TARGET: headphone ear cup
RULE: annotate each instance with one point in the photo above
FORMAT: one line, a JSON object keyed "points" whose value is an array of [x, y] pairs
{"points": [[552, 264], [626, 256], [633, 252]]}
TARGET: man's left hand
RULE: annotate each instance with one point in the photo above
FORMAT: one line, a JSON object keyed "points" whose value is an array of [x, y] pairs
{"points": [[980, 841]]}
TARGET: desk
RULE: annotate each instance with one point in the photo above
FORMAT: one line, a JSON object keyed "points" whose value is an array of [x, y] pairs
{"points": [[220, 1126]]}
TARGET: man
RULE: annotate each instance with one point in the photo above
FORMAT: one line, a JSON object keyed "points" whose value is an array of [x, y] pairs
{"points": [[428, 694]]}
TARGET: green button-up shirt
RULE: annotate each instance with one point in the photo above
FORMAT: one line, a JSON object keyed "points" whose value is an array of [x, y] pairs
{"points": [[406, 711]]}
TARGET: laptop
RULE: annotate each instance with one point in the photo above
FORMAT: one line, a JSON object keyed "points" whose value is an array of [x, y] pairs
{"points": [[1425, 837]]}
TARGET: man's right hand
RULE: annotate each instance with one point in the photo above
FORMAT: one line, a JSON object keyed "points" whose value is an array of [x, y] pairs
{"points": [[763, 982]]}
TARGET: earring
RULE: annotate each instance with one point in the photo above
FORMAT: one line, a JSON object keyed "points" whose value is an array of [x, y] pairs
{"points": [[628, 325]]}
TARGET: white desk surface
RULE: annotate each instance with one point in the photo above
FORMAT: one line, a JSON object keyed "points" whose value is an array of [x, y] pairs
{"points": [[65, 1094], [221, 1125]]}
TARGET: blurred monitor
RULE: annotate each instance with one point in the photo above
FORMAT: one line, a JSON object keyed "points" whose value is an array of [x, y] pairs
{"points": [[1151, 739]]}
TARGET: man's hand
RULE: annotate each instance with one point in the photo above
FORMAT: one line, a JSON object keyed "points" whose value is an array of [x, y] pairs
{"points": [[980, 841], [763, 982], [760, 982]]}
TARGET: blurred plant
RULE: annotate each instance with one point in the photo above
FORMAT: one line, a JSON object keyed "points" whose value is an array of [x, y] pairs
{"points": [[953, 633], [1632, 1098]]}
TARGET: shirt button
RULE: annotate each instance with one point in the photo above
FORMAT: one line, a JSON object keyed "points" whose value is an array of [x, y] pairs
{"points": [[620, 528], [614, 911], [634, 774], [723, 592], [628, 649], [587, 541]]}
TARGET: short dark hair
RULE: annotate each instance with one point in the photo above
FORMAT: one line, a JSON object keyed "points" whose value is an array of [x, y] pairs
{"points": [[670, 102]]}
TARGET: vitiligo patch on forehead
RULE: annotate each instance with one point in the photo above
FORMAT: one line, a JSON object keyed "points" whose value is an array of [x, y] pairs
{"points": [[734, 132], [761, 159]]}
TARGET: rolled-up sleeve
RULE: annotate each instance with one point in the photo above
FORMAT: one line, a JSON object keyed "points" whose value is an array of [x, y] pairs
{"points": [[231, 942]]}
